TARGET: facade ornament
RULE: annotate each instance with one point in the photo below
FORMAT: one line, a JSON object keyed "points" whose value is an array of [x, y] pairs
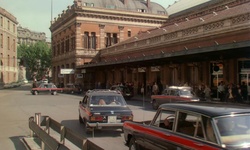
{"points": [[101, 26], [120, 27]]}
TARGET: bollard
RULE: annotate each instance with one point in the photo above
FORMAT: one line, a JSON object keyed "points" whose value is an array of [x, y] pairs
{"points": [[31, 131], [38, 118], [62, 133]]}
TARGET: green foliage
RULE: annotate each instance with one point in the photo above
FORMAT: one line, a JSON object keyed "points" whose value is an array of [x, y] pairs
{"points": [[36, 57]]}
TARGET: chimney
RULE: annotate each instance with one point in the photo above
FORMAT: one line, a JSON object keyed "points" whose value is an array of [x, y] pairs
{"points": [[148, 3]]}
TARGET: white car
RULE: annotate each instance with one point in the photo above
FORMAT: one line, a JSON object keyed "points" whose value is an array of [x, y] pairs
{"points": [[44, 81]]}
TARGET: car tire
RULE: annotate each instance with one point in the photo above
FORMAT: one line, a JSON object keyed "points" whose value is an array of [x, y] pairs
{"points": [[155, 105], [35, 93], [133, 145], [80, 119], [54, 93]]}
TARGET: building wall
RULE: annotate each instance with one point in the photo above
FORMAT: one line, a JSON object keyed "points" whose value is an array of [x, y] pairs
{"points": [[8, 48], [80, 23], [28, 37], [187, 51]]}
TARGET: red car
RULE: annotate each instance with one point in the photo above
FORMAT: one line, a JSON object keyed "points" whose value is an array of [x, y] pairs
{"points": [[193, 125], [46, 88]]}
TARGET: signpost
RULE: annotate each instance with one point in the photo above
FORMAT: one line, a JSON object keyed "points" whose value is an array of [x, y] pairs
{"points": [[67, 71]]}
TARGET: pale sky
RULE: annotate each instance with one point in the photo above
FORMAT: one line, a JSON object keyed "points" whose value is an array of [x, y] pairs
{"points": [[36, 14]]}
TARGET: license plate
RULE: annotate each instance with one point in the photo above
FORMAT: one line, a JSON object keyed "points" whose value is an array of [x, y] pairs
{"points": [[112, 119]]}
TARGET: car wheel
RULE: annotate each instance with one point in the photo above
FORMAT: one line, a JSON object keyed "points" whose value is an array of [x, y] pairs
{"points": [[80, 119], [155, 105], [54, 93], [72, 92], [133, 145], [35, 93]]}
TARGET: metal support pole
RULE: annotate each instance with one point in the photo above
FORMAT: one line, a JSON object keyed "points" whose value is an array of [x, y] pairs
{"points": [[38, 118]]}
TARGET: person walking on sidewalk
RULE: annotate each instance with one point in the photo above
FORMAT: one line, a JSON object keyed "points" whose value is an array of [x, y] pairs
{"points": [[221, 91], [207, 92], [155, 89]]}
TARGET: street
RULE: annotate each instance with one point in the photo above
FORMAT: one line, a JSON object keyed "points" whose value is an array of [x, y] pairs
{"points": [[17, 105]]}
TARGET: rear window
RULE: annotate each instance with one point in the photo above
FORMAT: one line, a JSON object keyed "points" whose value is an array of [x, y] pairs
{"points": [[107, 100]]}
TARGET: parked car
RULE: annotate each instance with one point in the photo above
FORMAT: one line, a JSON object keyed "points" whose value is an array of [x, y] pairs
{"points": [[46, 88], [193, 125], [174, 94], [44, 81], [72, 88], [125, 91], [103, 108]]}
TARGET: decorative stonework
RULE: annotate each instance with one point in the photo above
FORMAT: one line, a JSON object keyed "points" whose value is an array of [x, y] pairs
{"points": [[190, 31], [241, 19], [213, 26], [170, 36], [101, 26]]}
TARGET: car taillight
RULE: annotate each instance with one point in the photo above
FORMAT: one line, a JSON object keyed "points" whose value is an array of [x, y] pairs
{"points": [[124, 118], [96, 118]]}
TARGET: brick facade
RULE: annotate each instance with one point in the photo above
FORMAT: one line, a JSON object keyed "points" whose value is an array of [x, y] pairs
{"points": [[8, 48]]}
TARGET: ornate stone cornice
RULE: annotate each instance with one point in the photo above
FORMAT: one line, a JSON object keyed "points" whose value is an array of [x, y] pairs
{"points": [[105, 14], [196, 32]]}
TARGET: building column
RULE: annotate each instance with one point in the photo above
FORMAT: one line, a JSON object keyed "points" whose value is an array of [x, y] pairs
{"points": [[78, 35], [102, 36], [121, 33]]}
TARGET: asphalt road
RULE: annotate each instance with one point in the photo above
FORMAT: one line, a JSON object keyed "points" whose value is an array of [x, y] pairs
{"points": [[17, 105]]}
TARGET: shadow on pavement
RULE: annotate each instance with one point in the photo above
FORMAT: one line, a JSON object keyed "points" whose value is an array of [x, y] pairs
{"points": [[24, 87], [17, 141]]}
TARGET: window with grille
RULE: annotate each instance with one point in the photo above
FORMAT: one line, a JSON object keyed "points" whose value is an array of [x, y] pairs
{"points": [[108, 39], [93, 40], [129, 33], [111, 39], [86, 43]]}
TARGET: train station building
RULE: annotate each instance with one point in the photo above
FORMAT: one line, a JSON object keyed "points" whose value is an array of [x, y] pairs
{"points": [[203, 44]]}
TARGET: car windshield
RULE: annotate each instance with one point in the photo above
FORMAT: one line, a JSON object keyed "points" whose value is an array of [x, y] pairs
{"points": [[234, 130], [186, 92], [109, 100]]}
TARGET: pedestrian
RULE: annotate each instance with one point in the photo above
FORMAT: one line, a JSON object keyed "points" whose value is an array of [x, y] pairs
{"points": [[244, 91], [155, 89], [62, 84], [34, 85], [238, 94], [221, 91], [149, 89], [207, 92], [160, 88], [230, 94], [142, 89]]}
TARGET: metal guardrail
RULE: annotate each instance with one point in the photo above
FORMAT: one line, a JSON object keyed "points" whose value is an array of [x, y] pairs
{"points": [[51, 143]]}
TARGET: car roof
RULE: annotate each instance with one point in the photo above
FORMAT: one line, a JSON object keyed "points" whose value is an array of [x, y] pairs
{"points": [[103, 92], [118, 86], [212, 109], [180, 87], [47, 83]]}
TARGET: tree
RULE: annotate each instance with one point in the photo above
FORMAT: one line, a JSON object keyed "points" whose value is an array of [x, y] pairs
{"points": [[36, 57]]}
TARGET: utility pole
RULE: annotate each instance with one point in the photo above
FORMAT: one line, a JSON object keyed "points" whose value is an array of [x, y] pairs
{"points": [[51, 12]]}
